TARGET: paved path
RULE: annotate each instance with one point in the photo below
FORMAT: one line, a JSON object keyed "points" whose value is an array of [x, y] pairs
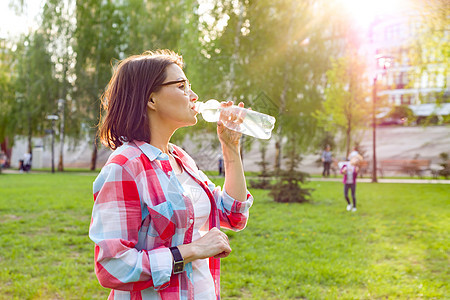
{"points": [[380, 180], [388, 180], [336, 179], [14, 171]]}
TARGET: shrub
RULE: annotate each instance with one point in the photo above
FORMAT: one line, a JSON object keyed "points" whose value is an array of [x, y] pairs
{"points": [[288, 186]]}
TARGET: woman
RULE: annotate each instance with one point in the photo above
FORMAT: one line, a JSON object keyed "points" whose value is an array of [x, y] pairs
{"points": [[156, 217], [350, 171]]}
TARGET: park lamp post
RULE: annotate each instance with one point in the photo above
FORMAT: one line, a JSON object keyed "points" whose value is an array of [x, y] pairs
{"points": [[53, 118], [383, 62]]}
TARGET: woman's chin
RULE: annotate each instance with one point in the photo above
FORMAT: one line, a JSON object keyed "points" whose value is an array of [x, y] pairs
{"points": [[192, 123]]}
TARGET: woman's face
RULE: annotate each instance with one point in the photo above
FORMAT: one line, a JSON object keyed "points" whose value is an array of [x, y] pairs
{"points": [[174, 103]]}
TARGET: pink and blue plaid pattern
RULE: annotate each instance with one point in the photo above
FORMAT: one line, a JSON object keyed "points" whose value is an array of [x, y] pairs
{"points": [[140, 210]]}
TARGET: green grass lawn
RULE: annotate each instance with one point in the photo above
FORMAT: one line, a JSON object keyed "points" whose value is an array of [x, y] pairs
{"points": [[395, 246]]}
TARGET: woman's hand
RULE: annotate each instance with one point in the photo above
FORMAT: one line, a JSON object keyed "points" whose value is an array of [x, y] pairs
{"points": [[228, 137], [234, 184], [213, 244]]}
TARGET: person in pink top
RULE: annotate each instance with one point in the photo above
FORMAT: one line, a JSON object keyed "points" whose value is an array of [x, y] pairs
{"points": [[156, 217], [350, 171]]}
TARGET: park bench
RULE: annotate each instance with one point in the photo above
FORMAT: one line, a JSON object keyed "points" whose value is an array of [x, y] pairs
{"points": [[441, 169], [407, 166], [363, 168]]}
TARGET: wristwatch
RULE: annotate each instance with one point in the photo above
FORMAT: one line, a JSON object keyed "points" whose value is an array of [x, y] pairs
{"points": [[178, 261]]}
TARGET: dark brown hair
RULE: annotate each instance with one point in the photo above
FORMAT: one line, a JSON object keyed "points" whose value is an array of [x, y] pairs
{"points": [[126, 96]]}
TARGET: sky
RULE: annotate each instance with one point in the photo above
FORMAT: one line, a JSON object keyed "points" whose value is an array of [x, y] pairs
{"points": [[13, 25]]}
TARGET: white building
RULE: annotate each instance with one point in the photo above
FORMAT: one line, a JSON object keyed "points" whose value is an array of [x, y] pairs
{"points": [[405, 82]]}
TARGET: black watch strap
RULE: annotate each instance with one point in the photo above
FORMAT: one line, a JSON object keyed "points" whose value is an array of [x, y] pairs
{"points": [[178, 262]]}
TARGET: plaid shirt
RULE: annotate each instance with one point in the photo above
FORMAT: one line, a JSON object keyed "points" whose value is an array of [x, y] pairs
{"points": [[140, 210]]}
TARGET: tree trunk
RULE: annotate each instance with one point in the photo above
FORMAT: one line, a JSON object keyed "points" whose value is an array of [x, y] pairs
{"points": [[61, 130], [94, 154], [278, 144], [30, 135], [348, 133], [5, 146], [232, 76], [235, 56], [96, 86], [277, 165], [350, 109]]}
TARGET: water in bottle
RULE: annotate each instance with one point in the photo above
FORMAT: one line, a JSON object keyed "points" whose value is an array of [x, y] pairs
{"points": [[237, 118]]}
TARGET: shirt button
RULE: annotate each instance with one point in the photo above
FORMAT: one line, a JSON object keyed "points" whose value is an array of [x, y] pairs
{"points": [[191, 221]]}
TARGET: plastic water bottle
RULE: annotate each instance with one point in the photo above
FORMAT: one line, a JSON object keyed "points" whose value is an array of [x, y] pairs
{"points": [[237, 118]]}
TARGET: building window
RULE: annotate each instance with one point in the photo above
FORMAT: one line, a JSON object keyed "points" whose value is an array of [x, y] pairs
{"points": [[440, 80]]}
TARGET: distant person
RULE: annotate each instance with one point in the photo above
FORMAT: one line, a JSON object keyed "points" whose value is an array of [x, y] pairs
{"points": [[156, 217], [350, 170], [27, 162], [220, 165], [2, 159], [327, 159], [353, 153]]}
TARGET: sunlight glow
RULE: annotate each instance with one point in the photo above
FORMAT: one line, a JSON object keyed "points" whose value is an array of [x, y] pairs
{"points": [[12, 24], [365, 11]]}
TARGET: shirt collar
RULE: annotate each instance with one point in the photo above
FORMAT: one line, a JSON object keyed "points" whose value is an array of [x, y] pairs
{"points": [[151, 151]]}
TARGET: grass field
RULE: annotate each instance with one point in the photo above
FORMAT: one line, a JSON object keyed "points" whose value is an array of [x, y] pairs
{"points": [[395, 246]]}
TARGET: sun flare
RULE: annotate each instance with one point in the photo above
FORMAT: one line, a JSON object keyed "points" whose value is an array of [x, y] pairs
{"points": [[365, 11]]}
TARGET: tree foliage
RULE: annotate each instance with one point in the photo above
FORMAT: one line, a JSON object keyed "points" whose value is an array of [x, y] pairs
{"points": [[345, 109], [272, 55], [6, 90], [33, 86], [429, 52]]}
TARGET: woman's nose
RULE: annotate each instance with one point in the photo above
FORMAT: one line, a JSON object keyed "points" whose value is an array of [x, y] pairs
{"points": [[193, 96]]}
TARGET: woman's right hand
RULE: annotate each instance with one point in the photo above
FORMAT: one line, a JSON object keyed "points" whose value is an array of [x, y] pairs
{"points": [[213, 244]]}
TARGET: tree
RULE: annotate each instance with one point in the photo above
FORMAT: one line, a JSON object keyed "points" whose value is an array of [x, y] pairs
{"points": [[58, 25], [287, 188], [263, 181], [7, 98], [288, 50], [283, 53], [429, 51], [445, 164], [34, 87], [345, 109], [100, 39], [122, 29]]}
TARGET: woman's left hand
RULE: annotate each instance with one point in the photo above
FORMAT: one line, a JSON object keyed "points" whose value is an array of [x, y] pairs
{"points": [[228, 137], [234, 184]]}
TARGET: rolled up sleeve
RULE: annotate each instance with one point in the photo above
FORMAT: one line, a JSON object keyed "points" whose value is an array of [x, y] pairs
{"points": [[233, 214]]}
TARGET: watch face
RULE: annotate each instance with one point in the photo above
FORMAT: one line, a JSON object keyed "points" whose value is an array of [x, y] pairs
{"points": [[178, 268]]}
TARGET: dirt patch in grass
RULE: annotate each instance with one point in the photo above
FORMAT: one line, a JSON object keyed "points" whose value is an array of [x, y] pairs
{"points": [[7, 218]]}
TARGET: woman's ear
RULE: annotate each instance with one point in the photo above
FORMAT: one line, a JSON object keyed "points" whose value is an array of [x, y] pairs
{"points": [[151, 103]]}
